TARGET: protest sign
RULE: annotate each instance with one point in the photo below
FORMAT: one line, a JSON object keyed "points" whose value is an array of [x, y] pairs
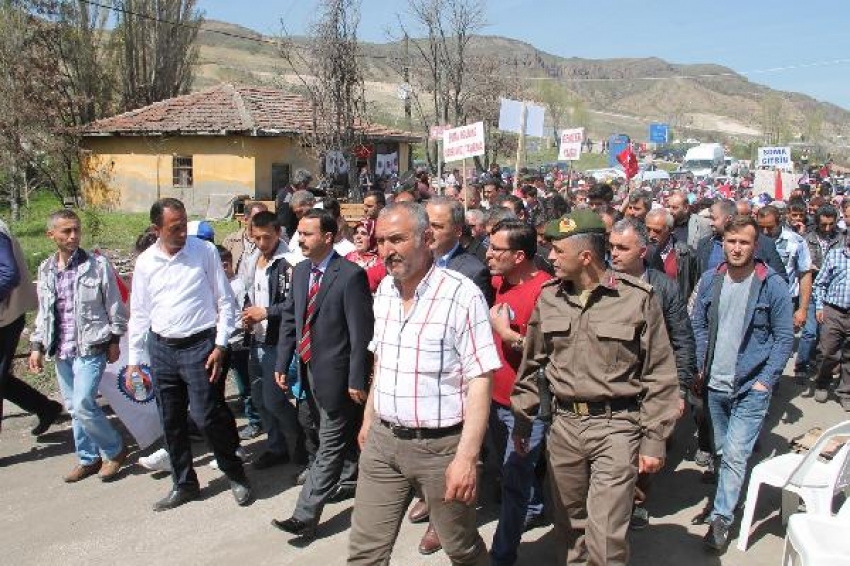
{"points": [[463, 142], [571, 142], [775, 157]]}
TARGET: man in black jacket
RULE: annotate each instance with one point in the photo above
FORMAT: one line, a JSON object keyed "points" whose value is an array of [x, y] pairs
{"points": [[676, 259], [628, 254], [710, 250]]}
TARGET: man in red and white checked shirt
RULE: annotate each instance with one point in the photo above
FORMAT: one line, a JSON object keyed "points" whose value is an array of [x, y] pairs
{"points": [[430, 399]]}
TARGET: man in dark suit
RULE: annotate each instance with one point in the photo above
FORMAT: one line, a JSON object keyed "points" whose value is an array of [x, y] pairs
{"points": [[447, 222], [327, 319]]}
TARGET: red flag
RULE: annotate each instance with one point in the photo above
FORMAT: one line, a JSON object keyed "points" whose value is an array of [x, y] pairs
{"points": [[777, 186], [628, 160]]}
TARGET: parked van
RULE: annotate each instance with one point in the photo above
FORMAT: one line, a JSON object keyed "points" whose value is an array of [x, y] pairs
{"points": [[704, 160]]}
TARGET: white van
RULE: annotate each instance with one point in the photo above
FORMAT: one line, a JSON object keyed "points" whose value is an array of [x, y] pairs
{"points": [[704, 160]]}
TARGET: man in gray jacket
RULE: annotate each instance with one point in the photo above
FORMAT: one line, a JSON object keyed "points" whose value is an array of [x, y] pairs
{"points": [[17, 297], [80, 321]]}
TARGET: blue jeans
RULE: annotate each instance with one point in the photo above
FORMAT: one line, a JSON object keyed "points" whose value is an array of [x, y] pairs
{"points": [[737, 422], [522, 494], [277, 413], [808, 341], [79, 379]]}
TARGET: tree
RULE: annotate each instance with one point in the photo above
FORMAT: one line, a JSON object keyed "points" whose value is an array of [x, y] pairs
{"points": [[156, 49], [330, 73], [774, 124], [563, 107]]}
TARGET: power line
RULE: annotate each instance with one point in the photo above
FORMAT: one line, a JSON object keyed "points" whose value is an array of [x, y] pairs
{"points": [[266, 41]]}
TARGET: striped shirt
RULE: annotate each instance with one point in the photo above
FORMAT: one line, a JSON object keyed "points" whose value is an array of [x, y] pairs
{"points": [[832, 285], [794, 251], [427, 357], [65, 321]]}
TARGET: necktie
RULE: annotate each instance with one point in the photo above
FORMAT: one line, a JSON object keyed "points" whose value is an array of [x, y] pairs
{"points": [[304, 344]]}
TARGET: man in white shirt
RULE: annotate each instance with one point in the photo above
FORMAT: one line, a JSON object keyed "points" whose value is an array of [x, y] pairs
{"points": [[182, 310]]}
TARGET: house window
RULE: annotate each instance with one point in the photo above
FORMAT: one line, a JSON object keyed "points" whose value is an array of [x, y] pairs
{"points": [[182, 168]]}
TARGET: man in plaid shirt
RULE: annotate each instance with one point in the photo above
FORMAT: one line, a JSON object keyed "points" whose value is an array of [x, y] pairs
{"points": [[832, 304]]}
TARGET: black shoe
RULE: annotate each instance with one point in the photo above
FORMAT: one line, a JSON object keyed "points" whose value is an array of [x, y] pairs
{"points": [[640, 518], [341, 492], [717, 537], [702, 458], [301, 478], [176, 498], [534, 522], [241, 490], [295, 527], [47, 418], [269, 460]]}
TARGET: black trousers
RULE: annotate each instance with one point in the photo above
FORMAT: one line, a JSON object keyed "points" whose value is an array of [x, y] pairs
{"points": [[12, 388], [181, 384]]}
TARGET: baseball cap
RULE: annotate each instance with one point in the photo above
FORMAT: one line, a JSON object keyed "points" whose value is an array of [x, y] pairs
{"points": [[201, 229]]}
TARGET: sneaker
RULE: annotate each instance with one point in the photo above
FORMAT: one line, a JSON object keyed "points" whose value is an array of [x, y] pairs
{"points": [[250, 431], [110, 468], [156, 462], [702, 458], [239, 452], [821, 395], [640, 518], [82, 471], [717, 537]]}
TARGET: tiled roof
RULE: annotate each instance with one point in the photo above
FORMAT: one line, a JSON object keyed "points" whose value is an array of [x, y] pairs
{"points": [[227, 109]]}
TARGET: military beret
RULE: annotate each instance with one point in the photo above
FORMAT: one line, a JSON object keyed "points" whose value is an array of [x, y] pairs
{"points": [[579, 221]]}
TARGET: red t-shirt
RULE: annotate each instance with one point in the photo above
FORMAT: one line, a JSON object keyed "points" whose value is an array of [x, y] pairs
{"points": [[522, 299]]}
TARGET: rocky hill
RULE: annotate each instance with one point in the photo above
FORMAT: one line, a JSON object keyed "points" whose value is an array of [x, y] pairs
{"points": [[703, 99]]}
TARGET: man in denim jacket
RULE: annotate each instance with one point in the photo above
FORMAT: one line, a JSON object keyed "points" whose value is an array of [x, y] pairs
{"points": [[80, 321], [740, 357]]}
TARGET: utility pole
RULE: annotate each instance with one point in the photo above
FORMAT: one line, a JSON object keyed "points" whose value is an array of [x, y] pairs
{"points": [[407, 105]]}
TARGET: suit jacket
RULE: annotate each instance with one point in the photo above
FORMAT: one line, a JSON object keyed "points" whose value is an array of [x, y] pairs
{"points": [[470, 266], [341, 329]]}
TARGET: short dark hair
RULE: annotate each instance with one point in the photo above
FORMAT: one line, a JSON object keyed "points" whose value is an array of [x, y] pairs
{"points": [[332, 205], [769, 210], [643, 197], [797, 205], [327, 223], [264, 219], [146, 239], [379, 196], [516, 203], [521, 236], [597, 244], [601, 192], [529, 191], [826, 210], [224, 254], [158, 209], [739, 222]]}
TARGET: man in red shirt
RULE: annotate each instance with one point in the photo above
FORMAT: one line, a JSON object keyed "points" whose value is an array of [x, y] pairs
{"points": [[516, 282]]}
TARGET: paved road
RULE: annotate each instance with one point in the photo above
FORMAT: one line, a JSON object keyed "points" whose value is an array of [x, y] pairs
{"points": [[45, 521]]}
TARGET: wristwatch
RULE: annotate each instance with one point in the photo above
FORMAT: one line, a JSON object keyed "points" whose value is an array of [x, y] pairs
{"points": [[518, 344]]}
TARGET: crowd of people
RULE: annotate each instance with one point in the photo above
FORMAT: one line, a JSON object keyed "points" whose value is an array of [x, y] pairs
{"points": [[548, 336]]}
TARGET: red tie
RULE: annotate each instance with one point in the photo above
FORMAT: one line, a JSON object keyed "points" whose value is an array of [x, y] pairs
{"points": [[304, 345]]}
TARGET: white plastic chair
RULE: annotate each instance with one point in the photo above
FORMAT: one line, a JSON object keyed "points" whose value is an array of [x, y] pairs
{"points": [[800, 476], [818, 540]]}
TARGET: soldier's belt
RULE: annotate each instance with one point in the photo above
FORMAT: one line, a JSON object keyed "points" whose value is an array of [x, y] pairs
{"points": [[595, 408]]}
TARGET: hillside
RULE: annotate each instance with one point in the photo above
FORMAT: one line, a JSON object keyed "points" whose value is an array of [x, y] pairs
{"points": [[729, 107]]}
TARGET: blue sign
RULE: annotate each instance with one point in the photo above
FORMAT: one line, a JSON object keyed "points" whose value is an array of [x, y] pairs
{"points": [[659, 133], [616, 144]]}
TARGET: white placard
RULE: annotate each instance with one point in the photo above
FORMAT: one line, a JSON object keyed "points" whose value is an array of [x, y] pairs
{"points": [[463, 142], [510, 117], [571, 142], [775, 158]]}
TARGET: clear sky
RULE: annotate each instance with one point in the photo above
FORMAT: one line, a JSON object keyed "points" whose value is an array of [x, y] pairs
{"points": [[745, 35]]}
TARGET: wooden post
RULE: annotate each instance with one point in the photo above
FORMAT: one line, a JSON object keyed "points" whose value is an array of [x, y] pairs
{"points": [[463, 188], [520, 149]]}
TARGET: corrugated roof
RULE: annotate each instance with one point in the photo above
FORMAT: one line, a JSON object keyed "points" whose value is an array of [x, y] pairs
{"points": [[227, 109]]}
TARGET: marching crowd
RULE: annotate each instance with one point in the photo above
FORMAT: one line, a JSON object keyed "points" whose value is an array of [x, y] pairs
{"points": [[549, 337]]}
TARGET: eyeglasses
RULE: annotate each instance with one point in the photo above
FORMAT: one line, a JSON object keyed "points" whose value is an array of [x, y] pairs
{"points": [[494, 249]]}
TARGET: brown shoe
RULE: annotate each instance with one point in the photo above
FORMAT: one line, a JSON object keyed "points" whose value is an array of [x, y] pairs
{"points": [[109, 470], [430, 542], [82, 471], [419, 512]]}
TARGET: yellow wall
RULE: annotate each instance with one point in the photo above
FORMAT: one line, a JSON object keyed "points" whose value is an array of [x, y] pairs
{"points": [[130, 173]]}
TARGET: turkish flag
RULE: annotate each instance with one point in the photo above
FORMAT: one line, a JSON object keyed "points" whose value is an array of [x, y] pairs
{"points": [[777, 186], [628, 160]]}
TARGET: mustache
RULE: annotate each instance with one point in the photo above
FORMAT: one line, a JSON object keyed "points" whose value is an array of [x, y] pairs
{"points": [[393, 258]]}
